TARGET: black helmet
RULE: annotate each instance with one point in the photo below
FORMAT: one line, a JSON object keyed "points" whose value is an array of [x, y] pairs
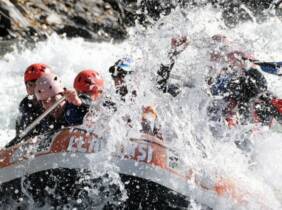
{"points": [[122, 67]]}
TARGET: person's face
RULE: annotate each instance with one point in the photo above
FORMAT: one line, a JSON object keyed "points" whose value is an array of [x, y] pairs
{"points": [[119, 81], [30, 86], [118, 76], [50, 101]]}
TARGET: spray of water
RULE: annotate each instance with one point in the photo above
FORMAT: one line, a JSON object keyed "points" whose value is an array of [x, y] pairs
{"points": [[184, 118]]}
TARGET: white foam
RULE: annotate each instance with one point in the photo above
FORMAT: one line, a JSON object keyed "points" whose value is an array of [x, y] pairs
{"points": [[184, 118]]}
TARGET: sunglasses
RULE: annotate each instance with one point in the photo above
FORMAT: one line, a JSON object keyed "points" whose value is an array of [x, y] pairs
{"points": [[117, 72]]}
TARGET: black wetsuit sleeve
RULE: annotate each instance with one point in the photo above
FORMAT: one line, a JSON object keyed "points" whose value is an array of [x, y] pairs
{"points": [[163, 78]]}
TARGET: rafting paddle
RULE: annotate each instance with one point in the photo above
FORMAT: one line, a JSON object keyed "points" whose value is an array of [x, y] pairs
{"points": [[271, 67], [29, 128]]}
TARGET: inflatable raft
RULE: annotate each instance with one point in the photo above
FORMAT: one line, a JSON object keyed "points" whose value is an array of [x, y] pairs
{"points": [[54, 170]]}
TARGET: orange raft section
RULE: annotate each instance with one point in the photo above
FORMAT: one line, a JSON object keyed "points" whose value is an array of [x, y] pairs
{"points": [[147, 150]]}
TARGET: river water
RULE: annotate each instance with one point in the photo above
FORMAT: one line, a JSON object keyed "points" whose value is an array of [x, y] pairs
{"points": [[183, 119]]}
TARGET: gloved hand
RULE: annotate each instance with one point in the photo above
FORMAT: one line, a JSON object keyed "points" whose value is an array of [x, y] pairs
{"points": [[72, 97], [179, 44], [231, 122]]}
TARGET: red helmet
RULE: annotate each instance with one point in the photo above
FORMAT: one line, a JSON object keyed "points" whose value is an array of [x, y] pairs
{"points": [[90, 82], [35, 71]]}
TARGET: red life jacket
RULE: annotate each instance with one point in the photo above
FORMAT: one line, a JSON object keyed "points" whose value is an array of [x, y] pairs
{"points": [[277, 103]]}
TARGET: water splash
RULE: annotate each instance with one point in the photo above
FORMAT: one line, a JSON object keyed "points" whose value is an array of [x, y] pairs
{"points": [[183, 119]]}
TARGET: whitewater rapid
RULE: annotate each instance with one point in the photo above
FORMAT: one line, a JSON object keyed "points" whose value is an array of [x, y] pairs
{"points": [[183, 119]]}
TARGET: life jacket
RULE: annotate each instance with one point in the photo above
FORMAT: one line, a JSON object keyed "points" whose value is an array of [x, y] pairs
{"points": [[277, 103], [149, 121]]}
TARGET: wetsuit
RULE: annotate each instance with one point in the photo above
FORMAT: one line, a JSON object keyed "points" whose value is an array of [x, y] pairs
{"points": [[162, 81], [242, 90], [218, 85], [237, 94], [29, 110], [72, 115]]}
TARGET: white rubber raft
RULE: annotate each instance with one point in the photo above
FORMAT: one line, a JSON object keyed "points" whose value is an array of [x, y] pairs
{"points": [[47, 169]]}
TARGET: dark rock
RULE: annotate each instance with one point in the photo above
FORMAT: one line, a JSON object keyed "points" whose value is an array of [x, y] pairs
{"points": [[79, 20], [74, 31], [74, 18], [5, 22]]}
